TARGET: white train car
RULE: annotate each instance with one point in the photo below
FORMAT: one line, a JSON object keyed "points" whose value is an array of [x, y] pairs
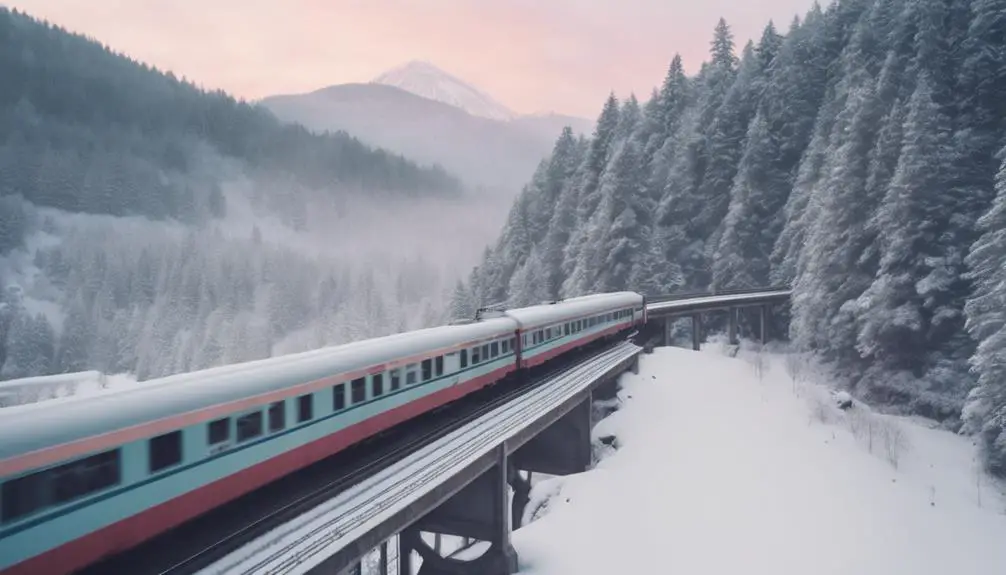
{"points": [[87, 477], [550, 330]]}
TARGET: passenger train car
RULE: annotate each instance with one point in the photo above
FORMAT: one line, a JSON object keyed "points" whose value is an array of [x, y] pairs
{"points": [[85, 477]]}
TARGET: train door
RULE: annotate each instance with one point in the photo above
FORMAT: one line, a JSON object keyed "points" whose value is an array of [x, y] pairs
{"points": [[518, 348]]}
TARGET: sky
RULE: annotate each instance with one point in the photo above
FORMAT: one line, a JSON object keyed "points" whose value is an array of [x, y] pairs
{"points": [[533, 56]]}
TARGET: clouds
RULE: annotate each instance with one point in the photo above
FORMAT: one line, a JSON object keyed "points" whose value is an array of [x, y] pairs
{"points": [[562, 55]]}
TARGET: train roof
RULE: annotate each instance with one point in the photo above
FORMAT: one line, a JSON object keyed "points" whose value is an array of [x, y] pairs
{"points": [[534, 316], [31, 427]]}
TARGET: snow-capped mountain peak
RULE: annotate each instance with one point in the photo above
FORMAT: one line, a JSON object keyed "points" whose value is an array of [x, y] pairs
{"points": [[426, 80]]}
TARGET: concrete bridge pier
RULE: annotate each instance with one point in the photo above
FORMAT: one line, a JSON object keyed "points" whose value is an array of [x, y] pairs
{"points": [[696, 331], [480, 510], [764, 314], [562, 448], [732, 325]]}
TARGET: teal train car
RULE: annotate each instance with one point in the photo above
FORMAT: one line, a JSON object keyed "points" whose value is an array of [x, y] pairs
{"points": [[82, 478]]}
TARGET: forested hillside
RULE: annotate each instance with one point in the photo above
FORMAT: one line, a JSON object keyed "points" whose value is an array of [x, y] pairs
{"points": [[150, 226], [855, 157]]}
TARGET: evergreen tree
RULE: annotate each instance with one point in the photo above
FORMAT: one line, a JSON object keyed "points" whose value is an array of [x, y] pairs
{"points": [[903, 303], [462, 304], [985, 412]]}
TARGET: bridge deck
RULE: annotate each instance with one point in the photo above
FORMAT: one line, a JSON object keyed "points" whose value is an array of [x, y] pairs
{"points": [[340, 531], [662, 308]]}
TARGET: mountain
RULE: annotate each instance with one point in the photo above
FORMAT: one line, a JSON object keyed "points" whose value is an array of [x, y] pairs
{"points": [[426, 80], [486, 153], [151, 227], [857, 158]]}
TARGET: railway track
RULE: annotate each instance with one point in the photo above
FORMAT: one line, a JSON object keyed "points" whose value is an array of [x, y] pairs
{"points": [[292, 546], [201, 542]]}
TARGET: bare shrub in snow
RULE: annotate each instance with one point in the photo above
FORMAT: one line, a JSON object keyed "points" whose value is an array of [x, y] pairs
{"points": [[893, 439], [758, 361], [977, 470], [796, 366], [820, 410], [859, 423]]}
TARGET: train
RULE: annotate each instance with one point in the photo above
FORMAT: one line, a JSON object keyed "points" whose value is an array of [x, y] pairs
{"points": [[84, 478]]}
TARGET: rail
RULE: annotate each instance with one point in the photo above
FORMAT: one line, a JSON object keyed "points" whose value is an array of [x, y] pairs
{"points": [[227, 543], [399, 489]]}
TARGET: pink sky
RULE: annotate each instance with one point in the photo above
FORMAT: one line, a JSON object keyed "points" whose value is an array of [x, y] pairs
{"points": [[531, 55]]}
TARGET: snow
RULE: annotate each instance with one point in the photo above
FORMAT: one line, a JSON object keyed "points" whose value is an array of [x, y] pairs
{"points": [[45, 387], [720, 471], [426, 80], [539, 315]]}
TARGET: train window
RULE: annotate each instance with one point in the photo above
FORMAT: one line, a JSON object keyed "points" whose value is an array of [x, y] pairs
{"points": [[494, 349], [358, 390], [464, 358], [249, 426], [438, 366], [475, 355], [377, 384], [485, 352], [396, 379], [165, 451], [22, 496], [427, 369], [505, 346], [513, 343], [31, 493], [339, 397], [277, 416], [305, 408], [410, 374], [218, 431]]}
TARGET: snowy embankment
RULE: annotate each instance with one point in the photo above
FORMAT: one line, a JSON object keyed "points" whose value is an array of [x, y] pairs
{"points": [[726, 465], [48, 387]]}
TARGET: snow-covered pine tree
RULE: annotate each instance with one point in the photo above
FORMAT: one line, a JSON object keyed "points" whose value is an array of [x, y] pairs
{"points": [[985, 410], [462, 304], [895, 315]]}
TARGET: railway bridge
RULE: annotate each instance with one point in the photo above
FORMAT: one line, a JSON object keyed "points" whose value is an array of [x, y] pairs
{"points": [[461, 484]]}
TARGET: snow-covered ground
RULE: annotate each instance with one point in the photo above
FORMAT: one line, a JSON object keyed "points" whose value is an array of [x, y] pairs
{"points": [[48, 387], [719, 470]]}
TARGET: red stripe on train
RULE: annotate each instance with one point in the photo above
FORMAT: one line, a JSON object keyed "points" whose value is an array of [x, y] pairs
{"points": [[132, 531]]}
